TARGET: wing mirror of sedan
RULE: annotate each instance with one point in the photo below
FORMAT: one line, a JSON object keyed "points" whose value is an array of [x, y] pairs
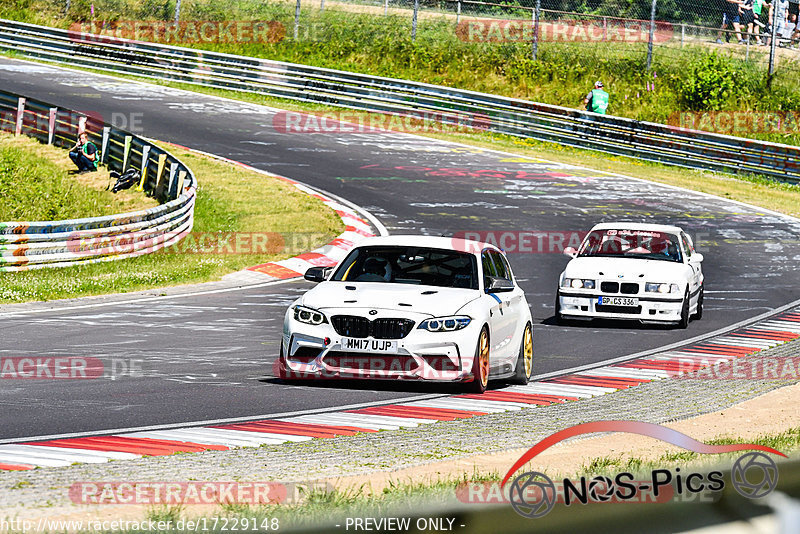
{"points": [[696, 258], [498, 285], [571, 252], [317, 274]]}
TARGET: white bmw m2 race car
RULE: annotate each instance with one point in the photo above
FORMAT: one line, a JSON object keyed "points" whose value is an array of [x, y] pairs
{"points": [[646, 272], [411, 307]]}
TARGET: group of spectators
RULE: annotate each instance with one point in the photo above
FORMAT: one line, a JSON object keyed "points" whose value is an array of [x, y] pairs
{"points": [[752, 19]]}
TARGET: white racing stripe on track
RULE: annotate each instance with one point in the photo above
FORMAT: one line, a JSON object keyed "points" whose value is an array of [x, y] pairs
{"points": [[353, 420], [211, 436], [30, 454], [568, 390], [472, 405], [622, 372], [36, 462], [110, 455], [784, 326], [678, 357], [746, 342]]}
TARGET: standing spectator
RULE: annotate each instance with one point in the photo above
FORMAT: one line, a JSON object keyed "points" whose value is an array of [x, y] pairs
{"points": [[84, 154], [790, 28], [755, 26], [747, 17], [730, 17], [597, 99]]}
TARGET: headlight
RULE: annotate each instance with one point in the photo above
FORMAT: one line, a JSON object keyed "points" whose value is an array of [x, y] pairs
{"points": [[309, 315], [656, 287], [445, 324], [578, 283]]}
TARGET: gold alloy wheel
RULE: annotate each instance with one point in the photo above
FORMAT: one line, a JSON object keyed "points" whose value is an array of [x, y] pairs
{"points": [[528, 351], [483, 356]]}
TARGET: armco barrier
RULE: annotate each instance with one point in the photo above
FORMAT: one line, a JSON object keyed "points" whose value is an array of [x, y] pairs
{"points": [[520, 118], [32, 245]]}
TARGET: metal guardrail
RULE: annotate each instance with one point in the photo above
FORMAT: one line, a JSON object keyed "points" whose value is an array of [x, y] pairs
{"points": [[614, 135], [31, 245]]}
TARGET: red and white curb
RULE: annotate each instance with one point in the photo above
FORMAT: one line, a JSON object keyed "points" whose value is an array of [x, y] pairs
{"points": [[741, 341]]}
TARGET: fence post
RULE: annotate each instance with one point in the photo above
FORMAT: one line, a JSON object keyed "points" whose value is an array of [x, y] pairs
{"points": [[104, 149], [458, 12], [605, 29], [414, 21], [177, 10], [322, 5], [536, 13], [20, 116], [145, 157], [652, 33], [773, 44], [66, 7], [51, 125], [296, 20], [683, 32], [385, 7]]}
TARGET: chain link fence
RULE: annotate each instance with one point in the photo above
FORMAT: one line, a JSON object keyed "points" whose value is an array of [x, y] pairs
{"points": [[764, 34]]}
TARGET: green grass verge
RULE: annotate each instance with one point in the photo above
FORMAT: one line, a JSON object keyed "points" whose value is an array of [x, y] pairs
{"points": [[35, 185], [321, 507], [229, 199]]}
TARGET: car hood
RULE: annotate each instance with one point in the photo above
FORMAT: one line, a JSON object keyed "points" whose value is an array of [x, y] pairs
{"points": [[627, 268], [427, 300]]}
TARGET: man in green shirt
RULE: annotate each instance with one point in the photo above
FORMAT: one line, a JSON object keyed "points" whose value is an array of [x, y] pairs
{"points": [[597, 99], [84, 154]]}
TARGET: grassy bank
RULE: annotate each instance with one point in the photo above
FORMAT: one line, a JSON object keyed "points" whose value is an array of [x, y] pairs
{"points": [[690, 79], [229, 199], [35, 185], [398, 499]]}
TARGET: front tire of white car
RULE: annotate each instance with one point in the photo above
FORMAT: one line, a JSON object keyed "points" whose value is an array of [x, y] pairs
{"points": [[524, 366], [698, 313], [480, 364], [685, 317]]}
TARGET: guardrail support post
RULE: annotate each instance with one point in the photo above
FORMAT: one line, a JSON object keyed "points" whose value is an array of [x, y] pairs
{"points": [[20, 116], [51, 125], [162, 161], [145, 156], [173, 173], [104, 149], [181, 178], [126, 152]]}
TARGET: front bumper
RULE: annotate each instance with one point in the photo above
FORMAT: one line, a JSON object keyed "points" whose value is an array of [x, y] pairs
{"points": [[317, 352], [650, 308]]}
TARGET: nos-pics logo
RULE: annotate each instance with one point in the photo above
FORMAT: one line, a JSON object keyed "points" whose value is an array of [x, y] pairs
{"points": [[533, 494]]}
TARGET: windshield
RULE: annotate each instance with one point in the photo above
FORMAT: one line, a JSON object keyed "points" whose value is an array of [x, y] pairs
{"points": [[409, 265], [632, 244]]}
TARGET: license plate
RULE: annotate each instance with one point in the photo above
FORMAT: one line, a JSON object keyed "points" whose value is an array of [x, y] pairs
{"points": [[381, 346], [618, 301]]}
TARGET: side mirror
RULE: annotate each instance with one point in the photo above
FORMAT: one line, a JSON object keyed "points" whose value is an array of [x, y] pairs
{"points": [[696, 258], [571, 252], [317, 274], [498, 285]]}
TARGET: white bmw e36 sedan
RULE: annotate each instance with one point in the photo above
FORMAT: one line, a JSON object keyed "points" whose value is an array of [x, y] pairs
{"points": [[645, 272], [411, 307]]}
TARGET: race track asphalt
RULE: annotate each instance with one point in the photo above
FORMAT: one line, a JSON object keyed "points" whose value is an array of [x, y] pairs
{"points": [[205, 357]]}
